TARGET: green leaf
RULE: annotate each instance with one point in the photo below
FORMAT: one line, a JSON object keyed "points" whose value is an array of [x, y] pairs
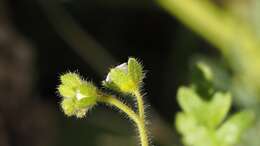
{"points": [[194, 134], [209, 75], [185, 124], [200, 121], [135, 70], [218, 108], [205, 70], [192, 103], [231, 131], [208, 112]]}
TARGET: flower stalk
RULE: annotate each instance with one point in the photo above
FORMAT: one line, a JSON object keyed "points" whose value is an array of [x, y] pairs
{"points": [[140, 123]]}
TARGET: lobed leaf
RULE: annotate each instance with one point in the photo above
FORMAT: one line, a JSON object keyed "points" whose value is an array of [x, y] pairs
{"points": [[192, 103], [194, 134], [218, 108], [231, 131]]}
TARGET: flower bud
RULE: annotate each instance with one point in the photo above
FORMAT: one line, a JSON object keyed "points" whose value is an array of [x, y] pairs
{"points": [[126, 78], [78, 95]]}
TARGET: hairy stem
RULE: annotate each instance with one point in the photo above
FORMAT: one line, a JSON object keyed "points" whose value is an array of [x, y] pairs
{"points": [[140, 104], [109, 99], [141, 110]]}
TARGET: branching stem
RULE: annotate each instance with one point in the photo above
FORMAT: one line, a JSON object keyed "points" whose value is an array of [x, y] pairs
{"points": [[109, 99]]}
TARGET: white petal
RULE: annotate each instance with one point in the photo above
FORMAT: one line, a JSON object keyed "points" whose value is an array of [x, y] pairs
{"points": [[108, 79], [79, 96], [123, 67]]}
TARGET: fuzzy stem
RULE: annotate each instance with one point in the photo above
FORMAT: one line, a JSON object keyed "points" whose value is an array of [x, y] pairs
{"points": [[140, 104], [141, 110], [109, 99]]}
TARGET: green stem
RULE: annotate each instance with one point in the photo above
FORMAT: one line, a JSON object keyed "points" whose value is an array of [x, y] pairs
{"points": [[140, 104], [141, 110], [202, 17], [109, 99]]}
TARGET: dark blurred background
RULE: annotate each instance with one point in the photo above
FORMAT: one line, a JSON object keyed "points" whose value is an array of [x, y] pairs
{"points": [[41, 39]]}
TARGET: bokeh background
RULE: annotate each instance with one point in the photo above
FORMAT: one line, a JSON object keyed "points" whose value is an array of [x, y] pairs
{"points": [[41, 39]]}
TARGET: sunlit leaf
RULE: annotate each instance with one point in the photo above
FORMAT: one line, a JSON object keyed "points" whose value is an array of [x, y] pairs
{"points": [[231, 131]]}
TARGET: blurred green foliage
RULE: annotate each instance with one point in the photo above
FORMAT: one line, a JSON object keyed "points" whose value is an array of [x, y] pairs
{"points": [[234, 37], [233, 27], [202, 121]]}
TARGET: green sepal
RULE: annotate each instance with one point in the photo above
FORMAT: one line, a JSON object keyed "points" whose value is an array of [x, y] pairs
{"points": [[119, 77], [66, 91], [135, 71], [71, 80], [88, 89], [86, 102], [78, 108], [68, 106], [81, 113]]}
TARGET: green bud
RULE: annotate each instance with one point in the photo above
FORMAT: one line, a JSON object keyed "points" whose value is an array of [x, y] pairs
{"points": [[126, 78], [79, 95]]}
